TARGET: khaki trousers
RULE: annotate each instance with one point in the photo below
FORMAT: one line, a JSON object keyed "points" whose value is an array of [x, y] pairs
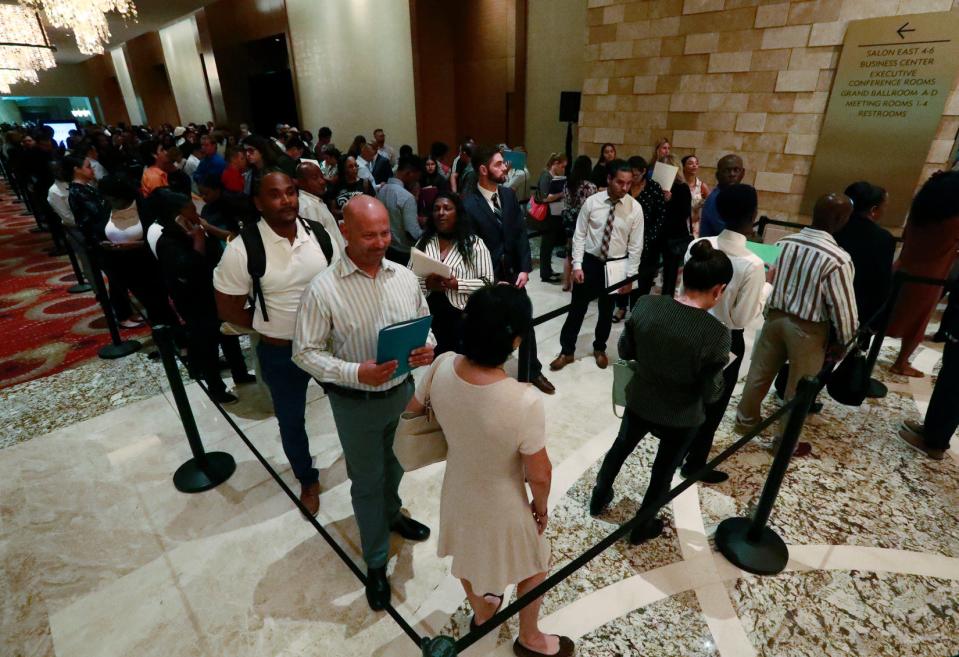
{"points": [[784, 337]]}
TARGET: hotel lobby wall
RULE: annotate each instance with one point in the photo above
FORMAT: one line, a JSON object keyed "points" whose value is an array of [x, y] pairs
{"points": [[556, 36], [719, 76], [149, 74], [187, 77], [354, 68]]}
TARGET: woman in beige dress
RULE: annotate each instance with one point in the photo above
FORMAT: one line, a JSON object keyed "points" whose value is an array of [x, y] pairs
{"points": [[496, 431]]}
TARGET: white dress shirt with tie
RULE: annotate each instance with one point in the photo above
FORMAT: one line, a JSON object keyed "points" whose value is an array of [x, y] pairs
{"points": [[626, 238]]}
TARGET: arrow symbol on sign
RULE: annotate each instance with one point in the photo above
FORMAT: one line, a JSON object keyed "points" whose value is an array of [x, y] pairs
{"points": [[903, 29]]}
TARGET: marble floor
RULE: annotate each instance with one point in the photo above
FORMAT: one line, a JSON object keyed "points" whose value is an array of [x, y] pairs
{"points": [[100, 556]]}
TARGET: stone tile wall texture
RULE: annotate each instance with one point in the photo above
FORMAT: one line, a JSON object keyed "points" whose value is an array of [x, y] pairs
{"points": [[715, 76]]}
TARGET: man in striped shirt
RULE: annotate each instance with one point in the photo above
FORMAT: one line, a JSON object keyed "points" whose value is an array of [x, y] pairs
{"points": [[812, 289], [337, 328]]}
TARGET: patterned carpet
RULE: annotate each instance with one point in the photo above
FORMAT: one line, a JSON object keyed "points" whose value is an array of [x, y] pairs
{"points": [[43, 328]]}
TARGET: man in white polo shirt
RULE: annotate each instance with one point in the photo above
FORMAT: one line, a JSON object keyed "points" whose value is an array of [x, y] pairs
{"points": [[292, 254]]}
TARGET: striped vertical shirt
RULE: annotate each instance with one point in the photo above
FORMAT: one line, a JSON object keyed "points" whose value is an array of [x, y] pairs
{"points": [[341, 314], [470, 275], [814, 281]]}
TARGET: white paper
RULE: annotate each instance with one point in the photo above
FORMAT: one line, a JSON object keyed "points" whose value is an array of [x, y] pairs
{"points": [[665, 175], [615, 272], [423, 265]]}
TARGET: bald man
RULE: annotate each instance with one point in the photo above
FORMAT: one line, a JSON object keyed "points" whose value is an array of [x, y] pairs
{"points": [[340, 316], [812, 289], [729, 172], [312, 186]]}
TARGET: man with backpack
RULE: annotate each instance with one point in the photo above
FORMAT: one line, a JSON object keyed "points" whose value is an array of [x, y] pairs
{"points": [[269, 266]]}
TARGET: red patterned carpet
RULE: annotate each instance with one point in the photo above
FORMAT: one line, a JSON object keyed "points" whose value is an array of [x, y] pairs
{"points": [[43, 328]]}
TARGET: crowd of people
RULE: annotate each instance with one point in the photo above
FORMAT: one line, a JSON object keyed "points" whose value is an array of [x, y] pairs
{"points": [[309, 249]]}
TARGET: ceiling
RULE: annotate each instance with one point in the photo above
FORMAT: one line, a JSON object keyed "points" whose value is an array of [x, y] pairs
{"points": [[151, 15]]}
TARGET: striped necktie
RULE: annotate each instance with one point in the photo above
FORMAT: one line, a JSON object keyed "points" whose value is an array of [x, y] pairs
{"points": [[497, 210], [608, 231]]}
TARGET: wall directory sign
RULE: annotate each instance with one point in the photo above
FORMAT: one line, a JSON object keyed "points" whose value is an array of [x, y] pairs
{"points": [[894, 77]]}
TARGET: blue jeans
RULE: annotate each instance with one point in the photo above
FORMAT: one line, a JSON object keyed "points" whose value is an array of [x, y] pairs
{"points": [[287, 384]]}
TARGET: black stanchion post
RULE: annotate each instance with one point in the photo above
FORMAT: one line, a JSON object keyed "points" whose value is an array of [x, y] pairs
{"points": [[81, 285], [749, 543], [118, 348], [203, 471], [440, 646]]}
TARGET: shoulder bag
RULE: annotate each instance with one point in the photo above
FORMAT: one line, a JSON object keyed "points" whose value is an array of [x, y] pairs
{"points": [[419, 440]]}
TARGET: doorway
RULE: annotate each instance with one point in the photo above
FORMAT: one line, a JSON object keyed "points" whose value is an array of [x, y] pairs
{"points": [[270, 85]]}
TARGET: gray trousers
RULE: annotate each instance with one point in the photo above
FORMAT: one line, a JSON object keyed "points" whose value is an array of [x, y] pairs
{"points": [[784, 337], [366, 428]]}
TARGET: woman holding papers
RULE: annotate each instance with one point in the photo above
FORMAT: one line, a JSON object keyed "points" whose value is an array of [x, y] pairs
{"points": [[451, 264], [697, 188], [495, 428], [550, 189]]}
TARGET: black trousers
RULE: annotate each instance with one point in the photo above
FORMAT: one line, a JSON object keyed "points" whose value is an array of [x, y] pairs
{"points": [[642, 286], [594, 281], [529, 366], [551, 236], [942, 416], [447, 323], [204, 339], [135, 270], [703, 442], [674, 250], [673, 443]]}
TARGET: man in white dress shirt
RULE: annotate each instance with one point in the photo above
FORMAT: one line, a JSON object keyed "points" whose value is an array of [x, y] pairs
{"points": [[312, 186], [337, 330], [609, 227], [741, 304]]}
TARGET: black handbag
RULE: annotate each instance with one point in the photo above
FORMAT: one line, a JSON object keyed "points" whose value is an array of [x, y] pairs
{"points": [[850, 381]]}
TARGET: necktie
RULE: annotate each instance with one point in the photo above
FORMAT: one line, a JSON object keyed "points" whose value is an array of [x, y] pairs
{"points": [[608, 231], [497, 210]]}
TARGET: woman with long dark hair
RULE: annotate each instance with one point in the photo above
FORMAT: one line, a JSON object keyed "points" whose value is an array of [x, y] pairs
{"points": [[449, 238], [607, 153], [579, 187], [348, 172]]}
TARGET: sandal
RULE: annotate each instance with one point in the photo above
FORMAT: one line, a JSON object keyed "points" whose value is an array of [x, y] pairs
{"points": [[131, 324], [473, 624], [566, 649], [619, 315]]}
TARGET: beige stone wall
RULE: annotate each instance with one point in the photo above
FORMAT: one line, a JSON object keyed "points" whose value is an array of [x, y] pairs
{"points": [[718, 76]]}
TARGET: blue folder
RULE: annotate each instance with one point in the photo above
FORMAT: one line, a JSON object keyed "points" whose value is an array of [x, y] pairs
{"points": [[396, 341]]}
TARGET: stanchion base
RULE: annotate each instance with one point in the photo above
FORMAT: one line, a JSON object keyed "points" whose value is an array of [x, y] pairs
{"points": [[125, 348], [38, 229], [191, 478], [80, 288], [440, 646], [876, 389], [767, 556]]}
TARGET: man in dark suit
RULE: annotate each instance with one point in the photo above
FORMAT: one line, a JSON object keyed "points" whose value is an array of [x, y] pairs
{"points": [[499, 220]]}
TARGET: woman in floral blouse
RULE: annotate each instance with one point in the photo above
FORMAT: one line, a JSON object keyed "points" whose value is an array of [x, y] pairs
{"points": [[578, 189]]}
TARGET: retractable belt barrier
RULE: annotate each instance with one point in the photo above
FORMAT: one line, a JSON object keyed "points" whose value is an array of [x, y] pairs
{"points": [[747, 542]]}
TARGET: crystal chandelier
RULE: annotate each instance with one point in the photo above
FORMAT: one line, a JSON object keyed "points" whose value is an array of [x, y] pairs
{"points": [[23, 41], [11, 76], [86, 18]]}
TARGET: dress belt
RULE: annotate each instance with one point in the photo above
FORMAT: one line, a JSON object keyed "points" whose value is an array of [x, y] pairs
{"points": [[353, 393]]}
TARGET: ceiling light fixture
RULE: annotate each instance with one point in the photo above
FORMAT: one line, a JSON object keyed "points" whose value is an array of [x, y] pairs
{"points": [[10, 76], [24, 44], [86, 18]]}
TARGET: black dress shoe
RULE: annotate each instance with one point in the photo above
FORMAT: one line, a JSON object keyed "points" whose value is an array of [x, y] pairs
{"points": [[410, 529], [542, 384], [714, 477], [246, 377], [646, 532], [600, 499], [377, 588]]}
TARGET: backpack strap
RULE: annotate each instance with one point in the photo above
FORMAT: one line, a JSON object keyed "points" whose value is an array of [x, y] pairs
{"points": [[255, 264], [322, 237]]}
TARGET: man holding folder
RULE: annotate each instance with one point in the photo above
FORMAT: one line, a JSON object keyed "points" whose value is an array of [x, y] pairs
{"points": [[336, 340]]}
